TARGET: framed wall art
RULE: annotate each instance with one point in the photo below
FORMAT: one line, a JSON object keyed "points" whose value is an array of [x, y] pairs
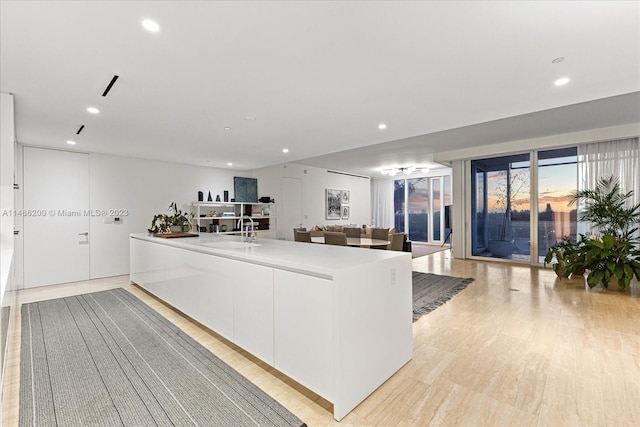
{"points": [[345, 212], [345, 197], [334, 203]]}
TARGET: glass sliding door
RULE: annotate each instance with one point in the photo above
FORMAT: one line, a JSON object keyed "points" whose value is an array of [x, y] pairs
{"points": [[557, 178], [501, 207], [503, 204]]}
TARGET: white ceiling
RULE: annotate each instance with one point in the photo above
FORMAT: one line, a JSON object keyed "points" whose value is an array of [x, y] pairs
{"points": [[317, 76]]}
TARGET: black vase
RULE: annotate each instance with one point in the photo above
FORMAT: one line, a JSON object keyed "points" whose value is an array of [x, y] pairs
{"points": [[200, 196], [226, 196], [209, 199]]}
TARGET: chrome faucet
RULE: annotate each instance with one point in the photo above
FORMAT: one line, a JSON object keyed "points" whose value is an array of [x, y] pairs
{"points": [[240, 224]]}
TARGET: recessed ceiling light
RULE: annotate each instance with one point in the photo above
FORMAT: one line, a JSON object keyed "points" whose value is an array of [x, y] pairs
{"points": [[93, 110], [71, 142], [227, 128], [229, 164], [561, 81], [558, 60], [382, 126], [151, 26], [285, 150]]}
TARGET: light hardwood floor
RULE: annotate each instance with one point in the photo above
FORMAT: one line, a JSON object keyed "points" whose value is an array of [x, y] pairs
{"points": [[517, 347]]}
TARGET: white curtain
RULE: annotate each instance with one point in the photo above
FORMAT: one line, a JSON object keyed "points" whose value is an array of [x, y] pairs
{"points": [[618, 158], [382, 202]]}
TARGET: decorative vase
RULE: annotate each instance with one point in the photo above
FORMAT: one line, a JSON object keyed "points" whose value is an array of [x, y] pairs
{"points": [[176, 229]]}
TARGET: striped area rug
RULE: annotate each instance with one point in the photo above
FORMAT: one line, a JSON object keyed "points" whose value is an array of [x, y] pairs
{"points": [[430, 291], [108, 359]]}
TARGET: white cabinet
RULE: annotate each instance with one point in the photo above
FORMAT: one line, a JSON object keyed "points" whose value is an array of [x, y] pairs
{"points": [[253, 309], [233, 298], [222, 217], [212, 284], [303, 319]]}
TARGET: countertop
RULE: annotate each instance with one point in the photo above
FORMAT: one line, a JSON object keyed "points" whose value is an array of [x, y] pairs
{"points": [[308, 258]]}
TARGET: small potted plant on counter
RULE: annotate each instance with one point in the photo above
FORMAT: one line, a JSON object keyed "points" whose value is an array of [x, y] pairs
{"points": [[175, 223]]}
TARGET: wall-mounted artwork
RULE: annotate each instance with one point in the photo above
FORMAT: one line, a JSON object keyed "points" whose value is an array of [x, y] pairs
{"points": [[245, 189], [334, 203], [345, 212], [345, 197]]}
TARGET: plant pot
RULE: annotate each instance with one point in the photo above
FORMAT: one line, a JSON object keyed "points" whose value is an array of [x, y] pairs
{"points": [[501, 248], [577, 276], [558, 270], [613, 285], [176, 229]]}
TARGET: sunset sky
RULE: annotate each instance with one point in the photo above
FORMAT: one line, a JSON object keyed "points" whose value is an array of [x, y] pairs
{"points": [[555, 184]]}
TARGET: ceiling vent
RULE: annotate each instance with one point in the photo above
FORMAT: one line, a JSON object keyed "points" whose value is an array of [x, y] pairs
{"points": [[110, 85]]}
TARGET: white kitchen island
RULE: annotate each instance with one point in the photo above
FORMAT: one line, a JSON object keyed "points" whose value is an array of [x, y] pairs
{"points": [[338, 320]]}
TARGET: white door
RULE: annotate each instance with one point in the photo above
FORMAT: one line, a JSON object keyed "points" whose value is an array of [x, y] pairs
{"points": [[290, 208], [56, 217]]}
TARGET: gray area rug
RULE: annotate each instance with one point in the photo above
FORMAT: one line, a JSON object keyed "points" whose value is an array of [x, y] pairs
{"points": [[108, 359], [430, 291]]}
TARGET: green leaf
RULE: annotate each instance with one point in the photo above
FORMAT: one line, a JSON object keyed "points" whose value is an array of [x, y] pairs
{"points": [[549, 257], [594, 278], [608, 240], [624, 282]]}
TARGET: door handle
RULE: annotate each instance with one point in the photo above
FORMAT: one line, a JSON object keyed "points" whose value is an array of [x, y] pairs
{"points": [[86, 234]]}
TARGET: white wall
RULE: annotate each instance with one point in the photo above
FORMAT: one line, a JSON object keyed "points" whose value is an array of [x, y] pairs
{"points": [[314, 183], [144, 188], [7, 139]]}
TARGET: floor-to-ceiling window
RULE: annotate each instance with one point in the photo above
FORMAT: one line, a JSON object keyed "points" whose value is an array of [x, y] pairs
{"points": [[504, 200], [420, 205], [418, 198], [502, 207], [557, 178], [399, 204]]}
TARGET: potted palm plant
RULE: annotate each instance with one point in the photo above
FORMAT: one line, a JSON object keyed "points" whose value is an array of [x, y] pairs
{"points": [[611, 256]]}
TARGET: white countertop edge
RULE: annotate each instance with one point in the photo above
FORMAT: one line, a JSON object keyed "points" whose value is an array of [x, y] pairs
{"points": [[315, 268]]}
